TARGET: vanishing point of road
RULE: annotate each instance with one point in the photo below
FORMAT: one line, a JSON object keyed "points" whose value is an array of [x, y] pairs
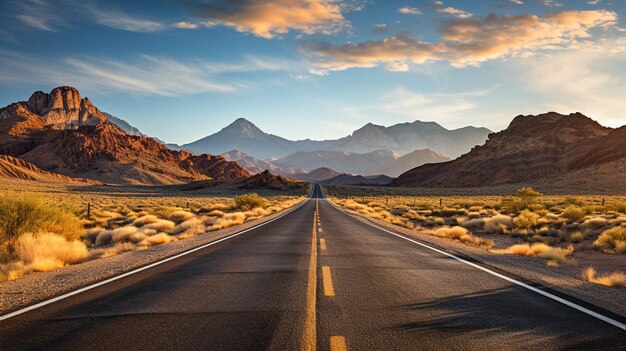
{"points": [[314, 279]]}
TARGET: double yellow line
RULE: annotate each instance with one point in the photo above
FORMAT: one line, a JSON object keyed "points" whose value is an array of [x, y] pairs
{"points": [[309, 338]]}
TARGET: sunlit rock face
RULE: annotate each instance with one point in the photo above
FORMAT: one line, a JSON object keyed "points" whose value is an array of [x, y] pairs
{"points": [[63, 108]]}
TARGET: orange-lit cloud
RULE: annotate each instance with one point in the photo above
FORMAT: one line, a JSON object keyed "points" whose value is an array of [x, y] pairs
{"points": [[268, 18], [468, 41]]}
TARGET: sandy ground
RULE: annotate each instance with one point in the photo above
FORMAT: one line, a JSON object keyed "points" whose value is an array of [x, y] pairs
{"points": [[41, 286], [565, 279]]}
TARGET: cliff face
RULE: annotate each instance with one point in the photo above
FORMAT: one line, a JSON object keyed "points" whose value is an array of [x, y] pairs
{"points": [[531, 148], [62, 108], [62, 133]]}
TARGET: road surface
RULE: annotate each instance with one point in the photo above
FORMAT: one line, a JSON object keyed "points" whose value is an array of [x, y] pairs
{"points": [[313, 279]]}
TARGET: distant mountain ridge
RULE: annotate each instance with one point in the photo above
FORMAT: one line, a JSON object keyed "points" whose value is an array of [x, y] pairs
{"points": [[402, 138], [532, 148], [375, 162]]}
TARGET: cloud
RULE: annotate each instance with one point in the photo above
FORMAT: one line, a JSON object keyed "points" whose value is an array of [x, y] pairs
{"points": [[455, 12], [468, 41], [269, 18], [146, 75], [583, 80], [37, 14], [410, 11], [380, 28], [119, 20]]}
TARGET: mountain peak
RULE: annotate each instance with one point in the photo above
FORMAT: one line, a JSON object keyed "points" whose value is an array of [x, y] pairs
{"points": [[243, 127]]}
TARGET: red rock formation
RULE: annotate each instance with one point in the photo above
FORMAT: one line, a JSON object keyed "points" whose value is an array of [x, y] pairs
{"points": [[63, 133], [531, 148]]}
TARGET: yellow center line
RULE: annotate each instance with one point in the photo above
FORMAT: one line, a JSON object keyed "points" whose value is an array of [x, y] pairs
{"points": [[322, 244], [310, 334], [338, 343], [319, 229], [328, 282]]}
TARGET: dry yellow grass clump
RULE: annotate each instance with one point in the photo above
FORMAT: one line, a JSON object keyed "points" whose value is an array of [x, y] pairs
{"points": [[613, 279], [463, 235], [612, 240], [554, 255]]}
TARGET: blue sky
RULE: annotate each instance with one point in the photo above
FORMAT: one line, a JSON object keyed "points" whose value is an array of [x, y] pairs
{"points": [[181, 70]]}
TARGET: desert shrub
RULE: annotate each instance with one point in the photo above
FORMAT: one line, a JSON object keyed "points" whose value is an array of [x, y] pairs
{"points": [[573, 213], [463, 235], [157, 239], [30, 214], [577, 237], [161, 225], [595, 223], [555, 254], [42, 252], [613, 279], [180, 216], [117, 249], [473, 224], [620, 207], [526, 220], [147, 219], [614, 238], [249, 201], [498, 223]]}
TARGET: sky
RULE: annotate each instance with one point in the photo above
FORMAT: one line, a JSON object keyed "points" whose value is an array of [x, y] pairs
{"points": [[183, 69]]}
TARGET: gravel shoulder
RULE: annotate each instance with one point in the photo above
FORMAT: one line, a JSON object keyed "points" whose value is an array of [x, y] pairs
{"points": [[37, 287], [564, 279]]}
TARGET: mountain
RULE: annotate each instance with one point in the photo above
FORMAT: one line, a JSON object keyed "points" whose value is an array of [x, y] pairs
{"points": [[255, 166], [375, 162], [532, 148], [244, 136], [317, 175], [349, 179], [125, 126], [344, 162], [63, 133], [407, 137], [410, 161], [403, 138]]}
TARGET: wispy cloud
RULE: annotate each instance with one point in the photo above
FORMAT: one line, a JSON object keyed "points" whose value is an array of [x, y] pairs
{"points": [[145, 75], [120, 20], [442, 106], [468, 41], [38, 14], [270, 18]]}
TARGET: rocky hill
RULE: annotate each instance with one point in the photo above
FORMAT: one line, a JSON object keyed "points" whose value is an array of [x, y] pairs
{"points": [[350, 179], [532, 148], [15, 168], [62, 133]]}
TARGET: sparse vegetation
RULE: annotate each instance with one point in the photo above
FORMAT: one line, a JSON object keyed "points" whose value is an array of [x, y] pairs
{"points": [[40, 233], [525, 223], [613, 279], [613, 239], [250, 201]]}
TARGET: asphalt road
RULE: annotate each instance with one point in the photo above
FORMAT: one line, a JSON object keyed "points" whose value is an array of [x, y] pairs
{"points": [[369, 290]]}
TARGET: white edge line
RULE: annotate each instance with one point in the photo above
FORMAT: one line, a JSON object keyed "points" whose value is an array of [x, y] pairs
{"points": [[154, 264], [582, 309]]}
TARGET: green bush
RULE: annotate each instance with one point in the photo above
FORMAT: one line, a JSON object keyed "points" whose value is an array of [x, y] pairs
{"points": [[31, 214], [573, 213], [249, 201], [526, 220]]}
